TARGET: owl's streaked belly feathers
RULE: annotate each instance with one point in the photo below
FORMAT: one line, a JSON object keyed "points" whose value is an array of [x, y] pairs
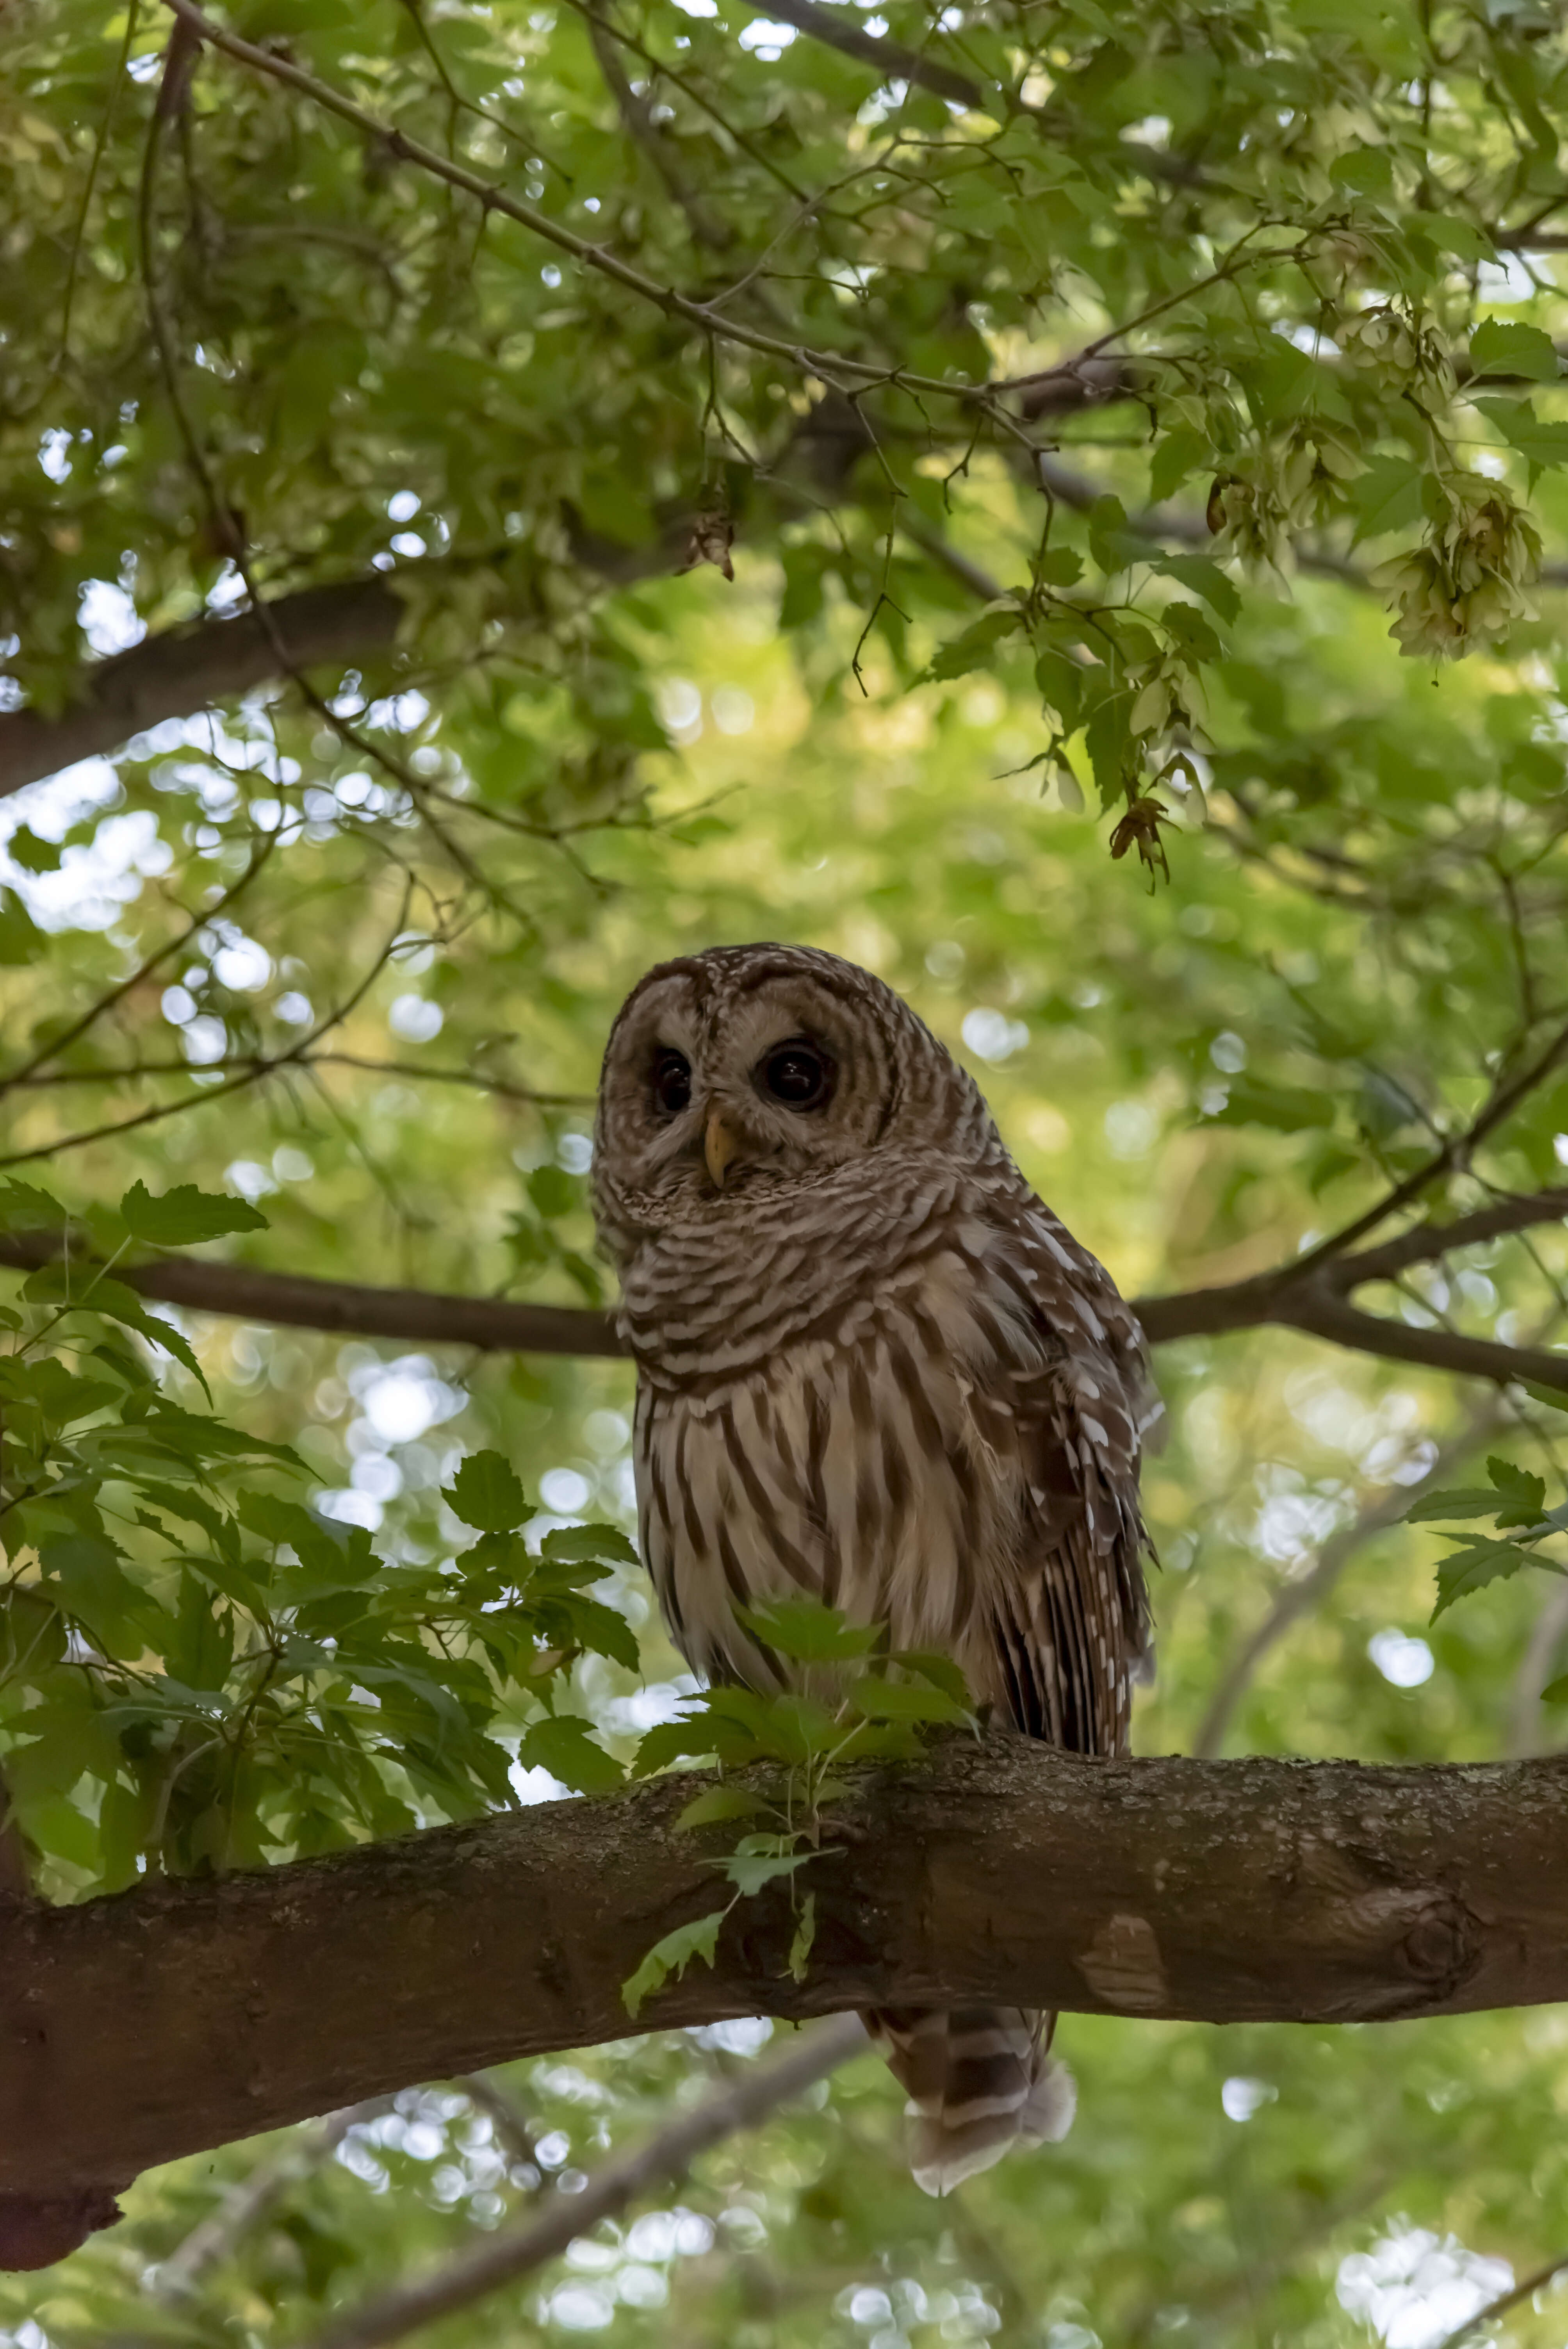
{"points": [[930, 1453]]}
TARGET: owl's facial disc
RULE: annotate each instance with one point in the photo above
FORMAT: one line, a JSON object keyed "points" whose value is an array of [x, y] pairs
{"points": [[709, 1096]]}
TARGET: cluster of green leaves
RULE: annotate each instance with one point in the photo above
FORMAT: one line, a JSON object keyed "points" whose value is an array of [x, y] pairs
{"points": [[846, 1706], [1515, 1499], [1259, 258], [200, 1672]]}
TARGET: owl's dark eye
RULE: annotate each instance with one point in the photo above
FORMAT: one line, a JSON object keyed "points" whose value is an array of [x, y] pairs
{"points": [[798, 1073], [672, 1083]]}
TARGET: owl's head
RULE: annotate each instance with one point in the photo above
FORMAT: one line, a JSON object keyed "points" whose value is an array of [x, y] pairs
{"points": [[749, 1069]]}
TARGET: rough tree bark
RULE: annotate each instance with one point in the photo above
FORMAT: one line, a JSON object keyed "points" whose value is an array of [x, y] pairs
{"points": [[181, 2015]]}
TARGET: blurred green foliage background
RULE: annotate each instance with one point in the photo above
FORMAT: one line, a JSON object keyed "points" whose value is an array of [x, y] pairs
{"points": [[345, 947]]}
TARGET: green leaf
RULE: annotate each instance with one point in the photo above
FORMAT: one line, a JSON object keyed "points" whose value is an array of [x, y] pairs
{"points": [[25, 1208], [1504, 347], [487, 1493], [93, 1585], [1113, 545], [1366, 170], [61, 1396], [1470, 1501], [1471, 1568], [1555, 1692], [555, 1192], [336, 1553], [941, 1670], [977, 642], [1523, 1492], [567, 1748], [1204, 578], [692, 1739], [672, 1956], [896, 1701], [1386, 496], [185, 1214], [117, 1303], [588, 1545], [1544, 445], [760, 1861], [204, 1648], [1451, 234], [718, 1803], [1060, 566], [596, 1628], [1175, 459], [1061, 680], [809, 1632]]}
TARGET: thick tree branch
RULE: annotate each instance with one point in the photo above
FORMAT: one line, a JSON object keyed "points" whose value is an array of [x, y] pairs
{"points": [[1312, 1300], [187, 670], [241, 1292], [179, 2015], [515, 2251]]}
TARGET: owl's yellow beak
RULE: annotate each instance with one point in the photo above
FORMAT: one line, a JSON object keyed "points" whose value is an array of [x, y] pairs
{"points": [[720, 1145]]}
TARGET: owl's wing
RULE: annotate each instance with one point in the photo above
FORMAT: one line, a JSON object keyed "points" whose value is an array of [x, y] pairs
{"points": [[1070, 1611]]}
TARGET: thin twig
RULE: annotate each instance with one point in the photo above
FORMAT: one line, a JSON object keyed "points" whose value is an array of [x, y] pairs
{"points": [[1533, 2283], [262, 848], [1500, 1104], [112, 1129], [263, 1063]]}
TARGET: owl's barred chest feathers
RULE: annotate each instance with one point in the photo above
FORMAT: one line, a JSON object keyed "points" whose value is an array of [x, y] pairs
{"points": [[867, 1404]]}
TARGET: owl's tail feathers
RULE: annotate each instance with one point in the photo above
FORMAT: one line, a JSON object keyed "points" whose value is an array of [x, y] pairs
{"points": [[979, 2080]]}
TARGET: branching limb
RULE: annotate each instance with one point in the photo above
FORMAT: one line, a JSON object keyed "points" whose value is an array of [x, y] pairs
{"points": [[243, 1292], [1322, 1316], [517, 2251], [1296, 1600], [178, 2278], [296, 1056]]}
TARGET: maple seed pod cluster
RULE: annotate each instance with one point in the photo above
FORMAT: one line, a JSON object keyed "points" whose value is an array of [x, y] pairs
{"points": [[1469, 581]]}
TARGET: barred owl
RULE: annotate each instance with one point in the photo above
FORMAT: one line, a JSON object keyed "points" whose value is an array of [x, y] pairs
{"points": [[873, 1368]]}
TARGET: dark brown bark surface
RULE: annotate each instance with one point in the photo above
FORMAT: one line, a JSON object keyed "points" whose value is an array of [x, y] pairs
{"points": [[181, 2015]]}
